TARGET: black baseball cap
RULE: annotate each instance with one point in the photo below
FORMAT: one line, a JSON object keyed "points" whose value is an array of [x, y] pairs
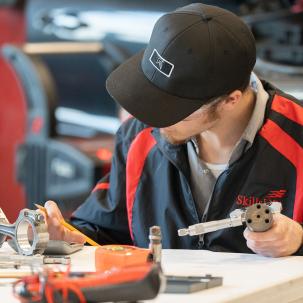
{"points": [[195, 54]]}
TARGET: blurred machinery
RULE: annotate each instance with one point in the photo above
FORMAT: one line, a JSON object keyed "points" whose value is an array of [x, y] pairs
{"points": [[279, 37], [58, 124], [46, 164], [277, 25], [42, 158], [12, 194]]}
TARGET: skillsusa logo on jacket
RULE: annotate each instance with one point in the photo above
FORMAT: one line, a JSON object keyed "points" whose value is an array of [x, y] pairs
{"points": [[271, 196]]}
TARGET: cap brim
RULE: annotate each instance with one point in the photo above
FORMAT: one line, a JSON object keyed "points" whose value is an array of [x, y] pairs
{"points": [[141, 98]]}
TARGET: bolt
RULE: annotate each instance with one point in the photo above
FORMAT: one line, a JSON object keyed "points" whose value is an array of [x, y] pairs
{"points": [[39, 217], [155, 243]]}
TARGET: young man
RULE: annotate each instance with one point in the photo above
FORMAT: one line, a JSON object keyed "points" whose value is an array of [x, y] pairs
{"points": [[210, 138]]}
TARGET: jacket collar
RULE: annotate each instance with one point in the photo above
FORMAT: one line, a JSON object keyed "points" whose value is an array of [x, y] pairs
{"points": [[175, 153]]}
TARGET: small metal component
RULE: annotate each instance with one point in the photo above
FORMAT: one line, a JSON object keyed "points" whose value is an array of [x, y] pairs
{"points": [[258, 217], [189, 284], [29, 232], [183, 232], [275, 207], [64, 260], [155, 243], [16, 261]]}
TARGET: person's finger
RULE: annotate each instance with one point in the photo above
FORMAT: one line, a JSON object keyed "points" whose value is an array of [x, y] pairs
{"points": [[272, 234], [261, 250], [258, 237], [53, 210], [265, 245], [268, 252], [74, 237]]}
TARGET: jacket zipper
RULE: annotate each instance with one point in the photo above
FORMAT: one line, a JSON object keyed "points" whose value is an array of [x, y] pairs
{"points": [[206, 211]]}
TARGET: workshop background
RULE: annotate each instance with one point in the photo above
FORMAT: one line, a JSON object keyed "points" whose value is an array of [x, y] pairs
{"points": [[57, 122]]}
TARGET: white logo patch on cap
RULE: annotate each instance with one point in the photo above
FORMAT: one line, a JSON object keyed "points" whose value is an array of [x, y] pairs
{"points": [[162, 65]]}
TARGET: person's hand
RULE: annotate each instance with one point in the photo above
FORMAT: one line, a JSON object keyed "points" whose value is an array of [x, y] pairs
{"points": [[55, 228], [283, 239]]}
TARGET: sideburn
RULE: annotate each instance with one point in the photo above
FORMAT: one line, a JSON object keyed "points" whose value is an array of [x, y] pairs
{"points": [[212, 110]]}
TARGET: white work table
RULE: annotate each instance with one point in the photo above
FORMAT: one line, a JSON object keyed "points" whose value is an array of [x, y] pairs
{"points": [[246, 278]]}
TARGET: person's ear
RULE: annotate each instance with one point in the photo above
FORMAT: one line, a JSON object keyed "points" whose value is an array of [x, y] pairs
{"points": [[233, 99]]}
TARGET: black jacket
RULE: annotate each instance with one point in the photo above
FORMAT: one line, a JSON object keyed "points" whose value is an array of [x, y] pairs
{"points": [[149, 184]]}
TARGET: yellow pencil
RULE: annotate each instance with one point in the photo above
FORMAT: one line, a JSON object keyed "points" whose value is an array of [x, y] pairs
{"points": [[70, 227]]}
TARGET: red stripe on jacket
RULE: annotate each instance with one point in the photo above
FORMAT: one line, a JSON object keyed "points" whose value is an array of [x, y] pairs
{"points": [[288, 108], [291, 150], [101, 186], [137, 154]]}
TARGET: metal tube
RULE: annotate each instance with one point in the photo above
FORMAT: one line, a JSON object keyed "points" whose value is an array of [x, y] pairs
{"points": [[206, 227]]}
